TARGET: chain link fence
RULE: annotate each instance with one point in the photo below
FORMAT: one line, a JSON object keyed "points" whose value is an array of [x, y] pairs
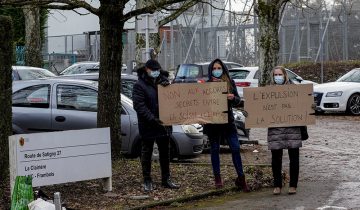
{"points": [[200, 36]]}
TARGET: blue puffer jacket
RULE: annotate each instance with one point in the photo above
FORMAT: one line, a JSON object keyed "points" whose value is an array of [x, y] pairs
{"points": [[146, 105]]}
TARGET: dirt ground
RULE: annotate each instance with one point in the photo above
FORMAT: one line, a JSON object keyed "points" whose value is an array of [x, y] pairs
{"points": [[194, 176]]}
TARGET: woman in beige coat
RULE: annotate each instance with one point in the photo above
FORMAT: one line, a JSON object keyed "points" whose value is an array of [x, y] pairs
{"points": [[284, 138]]}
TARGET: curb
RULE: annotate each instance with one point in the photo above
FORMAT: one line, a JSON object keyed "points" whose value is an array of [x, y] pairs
{"points": [[187, 198]]}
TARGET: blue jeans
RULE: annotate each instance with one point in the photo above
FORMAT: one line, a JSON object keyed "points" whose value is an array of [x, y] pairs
{"points": [[234, 145]]}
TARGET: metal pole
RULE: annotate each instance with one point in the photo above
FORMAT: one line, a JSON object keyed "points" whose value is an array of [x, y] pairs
{"points": [[345, 33], [57, 201], [65, 44], [147, 51], [322, 32], [96, 47], [172, 45], [165, 50]]}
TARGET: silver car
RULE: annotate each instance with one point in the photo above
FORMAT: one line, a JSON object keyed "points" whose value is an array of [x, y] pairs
{"points": [[64, 104], [28, 73]]}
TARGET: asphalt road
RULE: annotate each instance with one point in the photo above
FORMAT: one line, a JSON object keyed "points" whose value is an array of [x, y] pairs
{"points": [[329, 171]]}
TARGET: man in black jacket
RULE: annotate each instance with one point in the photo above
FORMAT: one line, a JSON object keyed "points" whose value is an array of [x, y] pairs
{"points": [[145, 99]]}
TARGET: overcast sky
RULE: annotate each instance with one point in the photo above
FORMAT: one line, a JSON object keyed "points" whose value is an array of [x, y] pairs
{"points": [[68, 22]]}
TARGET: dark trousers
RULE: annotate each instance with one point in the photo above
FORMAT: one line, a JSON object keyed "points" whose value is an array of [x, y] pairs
{"points": [[234, 145], [276, 164], [164, 156]]}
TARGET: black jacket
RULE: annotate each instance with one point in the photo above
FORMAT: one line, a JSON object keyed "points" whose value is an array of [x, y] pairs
{"points": [[230, 126], [146, 105]]}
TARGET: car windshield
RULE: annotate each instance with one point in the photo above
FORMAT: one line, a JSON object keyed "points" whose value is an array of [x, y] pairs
{"points": [[238, 74], [127, 87], [28, 74], [126, 100], [351, 76], [188, 71], [80, 68]]}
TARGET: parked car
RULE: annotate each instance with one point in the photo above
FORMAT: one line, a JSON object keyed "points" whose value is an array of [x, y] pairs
{"points": [[81, 68], [127, 81], [249, 77], [65, 104], [28, 73], [197, 72], [341, 95]]}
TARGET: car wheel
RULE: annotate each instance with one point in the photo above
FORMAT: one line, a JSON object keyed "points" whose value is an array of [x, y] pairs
{"points": [[353, 104]]}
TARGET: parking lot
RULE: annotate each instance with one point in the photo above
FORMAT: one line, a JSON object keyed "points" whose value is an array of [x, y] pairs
{"points": [[329, 175]]}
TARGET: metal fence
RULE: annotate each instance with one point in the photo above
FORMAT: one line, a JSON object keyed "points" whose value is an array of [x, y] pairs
{"points": [[304, 34]]}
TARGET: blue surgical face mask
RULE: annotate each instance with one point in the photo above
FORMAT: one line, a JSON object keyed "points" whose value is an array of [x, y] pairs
{"points": [[154, 74], [217, 73], [279, 79]]}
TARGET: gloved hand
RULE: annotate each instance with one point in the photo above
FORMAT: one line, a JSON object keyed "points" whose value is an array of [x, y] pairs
{"points": [[164, 83], [313, 106]]}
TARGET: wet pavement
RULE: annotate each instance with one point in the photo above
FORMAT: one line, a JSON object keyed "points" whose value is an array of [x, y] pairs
{"points": [[329, 171]]}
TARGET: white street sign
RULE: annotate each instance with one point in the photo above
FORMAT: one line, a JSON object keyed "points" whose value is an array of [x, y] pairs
{"points": [[152, 25], [61, 157]]}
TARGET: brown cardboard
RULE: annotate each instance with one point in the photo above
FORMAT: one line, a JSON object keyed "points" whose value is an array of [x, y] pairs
{"points": [[188, 103], [279, 106]]}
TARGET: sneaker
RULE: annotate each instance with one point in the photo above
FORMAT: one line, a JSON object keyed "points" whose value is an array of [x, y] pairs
{"points": [[292, 190], [277, 191]]}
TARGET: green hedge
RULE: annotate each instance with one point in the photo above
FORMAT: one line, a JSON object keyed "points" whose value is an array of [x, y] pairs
{"points": [[332, 69]]}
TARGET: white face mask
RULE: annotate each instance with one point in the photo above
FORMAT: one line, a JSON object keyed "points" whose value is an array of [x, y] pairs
{"points": [[279, 79], [154, 74]]}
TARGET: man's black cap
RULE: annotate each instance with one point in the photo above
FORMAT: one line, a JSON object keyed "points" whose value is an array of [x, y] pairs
{"points": [[153, 65]]}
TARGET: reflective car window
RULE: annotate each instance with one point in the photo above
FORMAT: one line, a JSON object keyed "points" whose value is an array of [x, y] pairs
{"points": [[291, 75], [127, 87], [189, 71], [233, 65], [37, 96], [351, 76], [123, 111], [79, 68], [71, 97], [28, 74], [238, 74], [257, 74]]}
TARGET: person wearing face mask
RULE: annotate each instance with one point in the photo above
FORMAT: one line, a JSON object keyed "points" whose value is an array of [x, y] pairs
{"points": [[280, 138], [218, 72], [151, 129]]}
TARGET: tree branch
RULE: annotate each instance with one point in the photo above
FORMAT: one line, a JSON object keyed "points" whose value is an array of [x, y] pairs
{"points": [[177, 12], [157, 5], [52, 4]]}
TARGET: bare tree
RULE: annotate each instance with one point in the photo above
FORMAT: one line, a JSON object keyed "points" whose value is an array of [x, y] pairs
{"points": [[269, 13], [6, 54], [112, 17], [170, 14], [32, 36]]}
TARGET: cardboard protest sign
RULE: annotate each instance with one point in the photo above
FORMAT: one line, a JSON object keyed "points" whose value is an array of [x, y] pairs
{"points": [[187, 103], [279, 106]]}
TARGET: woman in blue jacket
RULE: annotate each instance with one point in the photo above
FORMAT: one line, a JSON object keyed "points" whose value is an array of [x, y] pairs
{"points": [[218, 72]]}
